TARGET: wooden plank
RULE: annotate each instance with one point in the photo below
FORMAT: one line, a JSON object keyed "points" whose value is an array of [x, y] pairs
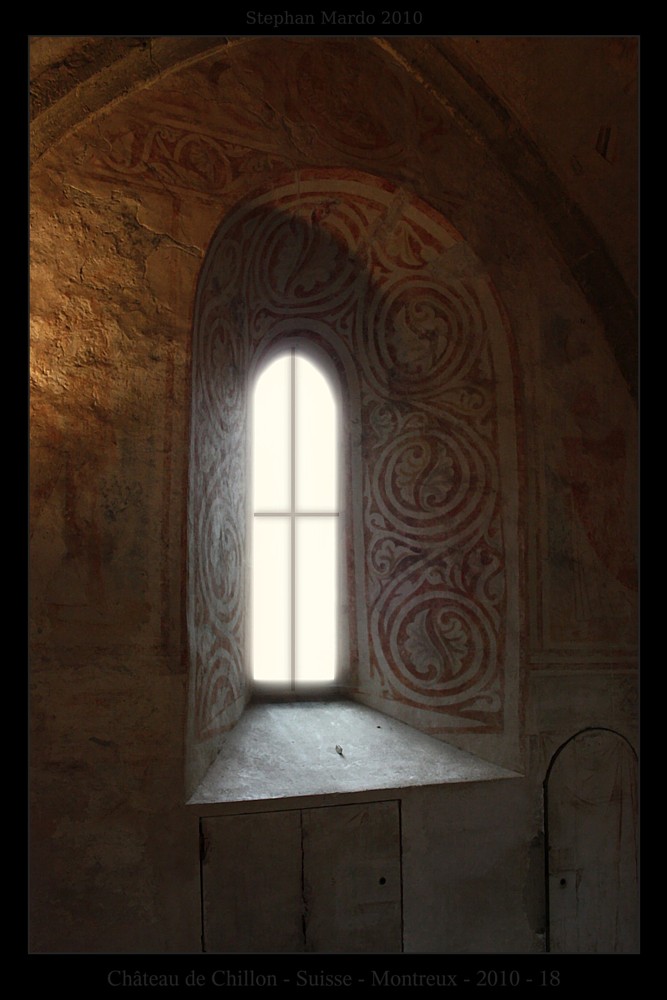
{"points": [[251, 883], [352, 878], [592, 848]]}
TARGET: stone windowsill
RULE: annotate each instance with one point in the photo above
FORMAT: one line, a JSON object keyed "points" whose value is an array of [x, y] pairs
{"points": [[284, 751]]}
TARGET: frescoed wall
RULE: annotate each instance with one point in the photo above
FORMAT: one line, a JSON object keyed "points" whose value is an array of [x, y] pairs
{"points": [[362, 268], [442, 216]]}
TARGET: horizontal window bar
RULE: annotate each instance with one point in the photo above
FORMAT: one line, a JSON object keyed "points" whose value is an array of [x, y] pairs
{"points": [[298, 513]]}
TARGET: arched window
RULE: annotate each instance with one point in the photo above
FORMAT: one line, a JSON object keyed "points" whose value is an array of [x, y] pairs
{"points": [[295, 524], [421, 363]]}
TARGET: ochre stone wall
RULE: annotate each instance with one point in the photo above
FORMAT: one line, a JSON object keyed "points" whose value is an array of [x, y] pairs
{"points": [[123, 212], [109, 668]]}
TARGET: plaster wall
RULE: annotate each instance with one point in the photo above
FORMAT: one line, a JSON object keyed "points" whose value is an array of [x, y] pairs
{"points": [[122, 213]]}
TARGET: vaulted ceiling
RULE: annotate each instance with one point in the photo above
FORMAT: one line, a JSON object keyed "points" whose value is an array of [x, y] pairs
{"points": [[558, 114]]}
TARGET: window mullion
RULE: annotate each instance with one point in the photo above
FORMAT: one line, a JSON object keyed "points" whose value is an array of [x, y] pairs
{"points": [[293, 517]]}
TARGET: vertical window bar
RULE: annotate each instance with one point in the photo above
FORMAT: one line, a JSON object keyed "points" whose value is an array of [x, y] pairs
{"points": [[292, 517]]}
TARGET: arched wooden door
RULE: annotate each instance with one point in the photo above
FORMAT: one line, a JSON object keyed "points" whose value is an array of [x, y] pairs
{"points": [[592, 845]]}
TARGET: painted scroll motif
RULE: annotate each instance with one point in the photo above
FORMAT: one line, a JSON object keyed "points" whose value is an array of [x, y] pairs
{"points": [[362, 267]]}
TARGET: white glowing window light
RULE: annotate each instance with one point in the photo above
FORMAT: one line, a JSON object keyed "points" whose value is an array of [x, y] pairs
{"points": [[295, 524]]}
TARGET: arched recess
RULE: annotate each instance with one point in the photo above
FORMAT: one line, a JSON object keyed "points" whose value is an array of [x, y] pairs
{"points": [[390, 291], [591, 817]]}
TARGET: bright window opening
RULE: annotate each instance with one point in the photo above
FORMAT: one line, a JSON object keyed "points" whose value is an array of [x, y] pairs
{"points": [[295, 524]]}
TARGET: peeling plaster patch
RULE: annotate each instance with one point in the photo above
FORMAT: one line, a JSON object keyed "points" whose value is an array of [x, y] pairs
{"points": [[161, 235]]}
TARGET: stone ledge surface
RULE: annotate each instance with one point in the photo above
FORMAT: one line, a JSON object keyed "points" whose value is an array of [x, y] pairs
{"points": [[280, 751]]}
